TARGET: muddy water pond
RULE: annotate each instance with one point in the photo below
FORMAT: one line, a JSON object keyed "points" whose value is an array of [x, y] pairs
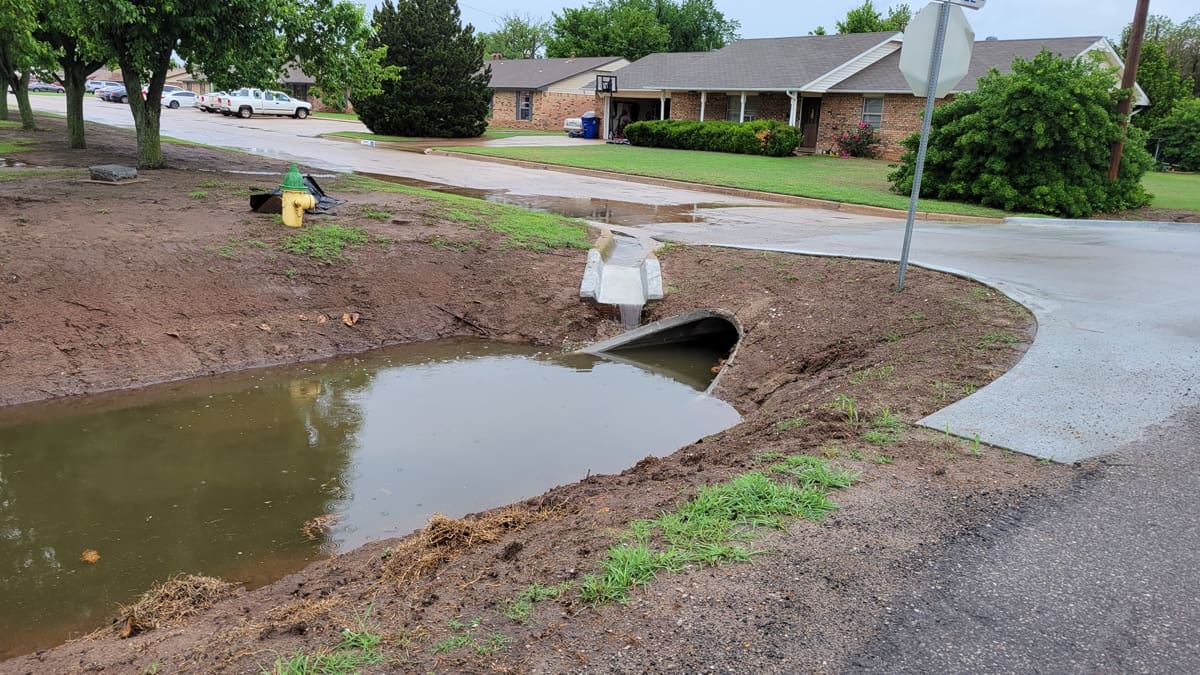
{"points": [[218, 476]]}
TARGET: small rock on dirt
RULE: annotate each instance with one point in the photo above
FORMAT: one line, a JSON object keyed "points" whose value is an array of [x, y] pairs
{"points": [[112, 173]]}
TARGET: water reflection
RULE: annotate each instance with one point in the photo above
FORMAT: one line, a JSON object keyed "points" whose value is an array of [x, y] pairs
{"points": [[218, 476]]}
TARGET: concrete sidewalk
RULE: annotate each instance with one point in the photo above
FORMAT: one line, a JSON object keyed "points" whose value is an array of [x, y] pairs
{"points": [[1118, 311]]}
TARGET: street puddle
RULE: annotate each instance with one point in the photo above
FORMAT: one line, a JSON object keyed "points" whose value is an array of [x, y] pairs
{"points": [[249, 477]]}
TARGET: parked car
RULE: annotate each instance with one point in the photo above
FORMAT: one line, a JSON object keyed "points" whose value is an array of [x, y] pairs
{"points": [[247, 102], [167, 88], [211, 102], [92, 85], [118, 95], [177, 99], [107, 87], [46, 86]]}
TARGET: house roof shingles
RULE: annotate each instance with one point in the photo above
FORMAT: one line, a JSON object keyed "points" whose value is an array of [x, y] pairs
{"points": [[541, 73], [758, 64], [884, 76]]}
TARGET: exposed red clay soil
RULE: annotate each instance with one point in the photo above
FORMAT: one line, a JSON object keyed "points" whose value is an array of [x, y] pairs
{"points": [[107, 287]]}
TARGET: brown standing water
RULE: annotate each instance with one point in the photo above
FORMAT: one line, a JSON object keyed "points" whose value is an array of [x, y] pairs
{"points": [[218, 476]]}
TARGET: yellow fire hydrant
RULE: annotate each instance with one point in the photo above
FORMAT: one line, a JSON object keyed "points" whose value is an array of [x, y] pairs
{"points": [[296, 198]]}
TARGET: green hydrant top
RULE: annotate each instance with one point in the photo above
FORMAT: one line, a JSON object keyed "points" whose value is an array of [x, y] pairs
{"points": [[293, 180]]}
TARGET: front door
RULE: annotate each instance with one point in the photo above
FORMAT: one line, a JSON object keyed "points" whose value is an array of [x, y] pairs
{"points": [[810, 120]]}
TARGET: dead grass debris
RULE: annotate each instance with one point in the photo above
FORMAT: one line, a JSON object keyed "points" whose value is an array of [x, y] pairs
{"points": [[173, 602]]}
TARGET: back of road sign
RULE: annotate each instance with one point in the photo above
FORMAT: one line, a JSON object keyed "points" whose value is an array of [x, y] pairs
{"points": [[917, 50]]}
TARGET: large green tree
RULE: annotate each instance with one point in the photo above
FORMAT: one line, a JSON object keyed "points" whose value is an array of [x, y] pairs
{"points": [[232, 40], [1180, 44], [443, 89], [519, 36], [1179, 132], [1037, 139], [21, 54], [866, 19], [62, 27], [332, 41], [636, 28], [1159, 77]]}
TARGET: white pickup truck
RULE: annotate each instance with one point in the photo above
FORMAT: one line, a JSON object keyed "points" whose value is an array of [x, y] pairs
{"points": [[247, 102]]}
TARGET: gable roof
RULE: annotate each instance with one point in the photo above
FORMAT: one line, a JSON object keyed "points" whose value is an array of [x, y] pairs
{"points": [[764, 64], [541, 73], [884, 77]]}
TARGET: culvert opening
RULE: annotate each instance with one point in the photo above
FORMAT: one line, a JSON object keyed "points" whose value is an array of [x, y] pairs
{"points": [[704, 336]]}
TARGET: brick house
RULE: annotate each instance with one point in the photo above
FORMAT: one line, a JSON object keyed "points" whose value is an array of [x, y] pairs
{"points": [[823, 84], [541, 93]]}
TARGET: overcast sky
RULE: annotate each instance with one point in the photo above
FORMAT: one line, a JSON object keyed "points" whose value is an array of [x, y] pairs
{"points": [[1006, 19]]}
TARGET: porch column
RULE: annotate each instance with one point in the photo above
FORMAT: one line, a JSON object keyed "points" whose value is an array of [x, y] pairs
{"points": [[703, 100], [792, 117], [742, 113], [662, 105]]}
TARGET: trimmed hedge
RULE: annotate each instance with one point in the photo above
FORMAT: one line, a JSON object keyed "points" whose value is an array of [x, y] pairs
{"points": [[760, 137]]}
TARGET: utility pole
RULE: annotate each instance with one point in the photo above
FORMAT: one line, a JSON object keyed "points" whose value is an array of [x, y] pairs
{"points": [[1132, 58]]}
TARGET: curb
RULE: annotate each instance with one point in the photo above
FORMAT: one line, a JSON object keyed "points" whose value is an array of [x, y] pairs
{"points": [[806, 202], [1114, 224]]}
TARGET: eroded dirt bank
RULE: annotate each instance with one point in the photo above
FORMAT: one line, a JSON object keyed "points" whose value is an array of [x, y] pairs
{"points": [[107, 287]]}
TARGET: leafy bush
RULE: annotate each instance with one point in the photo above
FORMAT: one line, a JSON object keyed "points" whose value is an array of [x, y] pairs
{"points": [[1180, 134], [858, 143], [1037, 139], [760, 137]]}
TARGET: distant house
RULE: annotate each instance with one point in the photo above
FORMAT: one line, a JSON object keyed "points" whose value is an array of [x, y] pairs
{"points": [[823, 84], [541, 93]]}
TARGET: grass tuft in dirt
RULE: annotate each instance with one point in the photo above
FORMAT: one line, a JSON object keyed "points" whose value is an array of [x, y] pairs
{"points": [[518, 608], [705, 529], [325, 242], [173, 601]]}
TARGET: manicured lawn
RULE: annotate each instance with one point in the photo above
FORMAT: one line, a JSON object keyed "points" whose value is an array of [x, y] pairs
{"points": [[336, 116], [856, 181], [1174, 190], [502, 132], [367, 136]]}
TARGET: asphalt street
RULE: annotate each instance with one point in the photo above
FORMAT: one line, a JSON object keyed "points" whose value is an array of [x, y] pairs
{"points": [[1103, 579]]}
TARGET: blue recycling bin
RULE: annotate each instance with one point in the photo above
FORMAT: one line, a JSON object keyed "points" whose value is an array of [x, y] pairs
{"points": [[591, 125]]}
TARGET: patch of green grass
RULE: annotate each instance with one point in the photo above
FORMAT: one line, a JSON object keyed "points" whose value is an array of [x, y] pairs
{"points": [[10, 124], [336, 116], [706, 529], [198, 194], [453, 244], [464, 636], [522, 229], [14, 145], [886, 429], [943, 391], [990, 340], [518, 608], [215, 184], [376, 215], [505, 132], [815, 471], [881, 373], [769, 456], [324, 242], [854, 181], [1173, 190], [359, 647]]}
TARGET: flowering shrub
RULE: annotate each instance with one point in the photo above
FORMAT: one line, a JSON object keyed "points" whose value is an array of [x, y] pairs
{"points": [[858, 143]]}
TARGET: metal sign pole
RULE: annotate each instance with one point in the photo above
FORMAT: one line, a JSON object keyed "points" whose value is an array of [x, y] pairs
{"points": [[935, 67]]}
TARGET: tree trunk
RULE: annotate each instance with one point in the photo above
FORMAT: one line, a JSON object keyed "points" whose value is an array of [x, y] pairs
{"points": [[147, 111], [4, 99], [23, 102], [74, 80]]}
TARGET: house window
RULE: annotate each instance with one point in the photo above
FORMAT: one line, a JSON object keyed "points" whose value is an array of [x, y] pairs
{"points": [[872, 115], [735, 109], [525, 105]]}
